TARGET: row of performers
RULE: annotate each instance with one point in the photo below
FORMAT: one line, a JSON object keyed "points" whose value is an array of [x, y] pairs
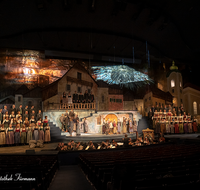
{"points": [[169, 114], [18, 120], [113, 127], [178, 125], [74, 125], [25, 133]]}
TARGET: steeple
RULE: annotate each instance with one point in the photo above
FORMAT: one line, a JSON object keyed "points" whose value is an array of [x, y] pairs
{"points": [[173, 67]]}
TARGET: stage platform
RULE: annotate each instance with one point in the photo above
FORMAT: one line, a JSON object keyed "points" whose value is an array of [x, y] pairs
{"points": [[85, 137]]}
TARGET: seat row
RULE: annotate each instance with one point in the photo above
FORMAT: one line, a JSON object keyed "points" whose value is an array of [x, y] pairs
{"points": [[119, 170], [41, 170]]}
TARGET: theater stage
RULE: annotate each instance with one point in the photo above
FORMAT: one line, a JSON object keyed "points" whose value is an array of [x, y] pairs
{"points": [[85, 137]]}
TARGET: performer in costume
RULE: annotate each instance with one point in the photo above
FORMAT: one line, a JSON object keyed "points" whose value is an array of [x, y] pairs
{"points": [[64, 98], [6, 122], [20, 121], [104, 126], [184, 115], [157, 126], [127, 125], [189, 125], [13, 122], [26, 122], [69, 97], [185, 125], [71, 125], [130, 127], [162, 126], [12, 115], [26, 115], [17, 134], [30, 132], [189, 116], [66, 122], [167, 126], [45, 121], [41, 132], [181, 125], [18, 115], [10, 135], [78, 128], [85, 125], [114, 127], [119, 126], [39, 122], [134, 125], [23, 135], [107, 127], [124, 126], [47, 136], [171, 126], [2, 135], [111, 127], [194, 124], [35, 132], [176, 126]]}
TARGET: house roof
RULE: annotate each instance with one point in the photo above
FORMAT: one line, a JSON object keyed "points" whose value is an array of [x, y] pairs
{"points": [[31, 93], [76, 66], [157, 93], [191, 86], [22, 89], [12, 98]]}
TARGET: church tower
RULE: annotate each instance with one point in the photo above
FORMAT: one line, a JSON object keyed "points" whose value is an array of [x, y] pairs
{"points": [[175, 85]]}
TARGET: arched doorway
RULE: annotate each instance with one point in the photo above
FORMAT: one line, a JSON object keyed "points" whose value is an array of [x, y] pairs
{"points": [[111, 117]]}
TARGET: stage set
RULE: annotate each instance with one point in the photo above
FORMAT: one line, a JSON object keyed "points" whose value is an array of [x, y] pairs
{"points": [[95, 121]]}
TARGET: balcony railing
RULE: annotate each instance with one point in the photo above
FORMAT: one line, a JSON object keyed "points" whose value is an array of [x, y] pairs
{"points": [[80, 106]]}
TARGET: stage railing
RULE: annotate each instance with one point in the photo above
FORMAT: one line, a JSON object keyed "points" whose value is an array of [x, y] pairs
{"points": [[79, 106]]}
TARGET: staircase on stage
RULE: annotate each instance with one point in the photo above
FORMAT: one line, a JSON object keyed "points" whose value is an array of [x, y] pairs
{"points": [[95, 120]]}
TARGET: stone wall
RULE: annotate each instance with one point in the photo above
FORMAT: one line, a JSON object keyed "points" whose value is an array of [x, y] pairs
{"points": [[190, 96]]}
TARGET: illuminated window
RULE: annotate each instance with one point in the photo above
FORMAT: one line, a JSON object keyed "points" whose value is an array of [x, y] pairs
{"points": [[172, 83], [180, 84], [195, 107]]}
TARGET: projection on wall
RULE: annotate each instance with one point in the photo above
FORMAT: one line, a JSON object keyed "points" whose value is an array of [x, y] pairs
{"points": [[122, 75]]}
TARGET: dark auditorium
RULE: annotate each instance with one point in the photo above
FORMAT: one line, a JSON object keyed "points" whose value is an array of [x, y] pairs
{"points": [[99, 95]]}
